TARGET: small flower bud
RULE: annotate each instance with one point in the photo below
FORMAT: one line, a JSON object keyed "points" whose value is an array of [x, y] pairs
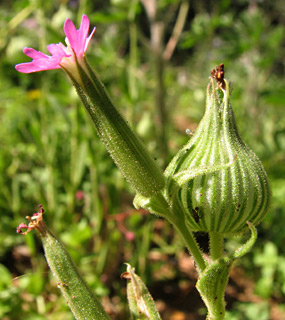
{"points": [[217, 178], [80, 298]]}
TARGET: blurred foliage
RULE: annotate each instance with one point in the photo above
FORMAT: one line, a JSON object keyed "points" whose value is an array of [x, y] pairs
{"points": [[50, 154], [249, 311]]}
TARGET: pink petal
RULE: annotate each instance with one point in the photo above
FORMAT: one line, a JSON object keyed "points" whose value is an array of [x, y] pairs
{"points": [[48, 64], [65, 49], [71, 33], [78, 39], [34, 54], [57, 50], [82, 33], [41, 61], [28, 67], [38, 65]]}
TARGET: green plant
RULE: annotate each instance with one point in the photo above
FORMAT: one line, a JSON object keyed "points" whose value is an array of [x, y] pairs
{"points": [[214, 184], [249, 311], [271, 266]]}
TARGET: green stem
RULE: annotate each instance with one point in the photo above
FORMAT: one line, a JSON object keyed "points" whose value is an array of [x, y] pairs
{"points": [[176, 218], [211, 285], [216, 245], [192, 246], [213, 280]]}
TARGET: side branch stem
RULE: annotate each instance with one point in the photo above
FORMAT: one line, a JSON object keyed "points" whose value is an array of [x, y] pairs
{"points": [[192, 246], [216, 245]]}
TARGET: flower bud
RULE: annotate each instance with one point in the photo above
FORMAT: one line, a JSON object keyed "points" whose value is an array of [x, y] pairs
{"points": [[79, 297], [219, 181]]}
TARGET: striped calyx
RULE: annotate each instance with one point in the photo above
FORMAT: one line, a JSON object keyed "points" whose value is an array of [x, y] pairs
{"points": [[217, 179]]}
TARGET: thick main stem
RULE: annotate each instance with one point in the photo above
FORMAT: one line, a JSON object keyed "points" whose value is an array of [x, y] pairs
{"points": [[211, 285]]}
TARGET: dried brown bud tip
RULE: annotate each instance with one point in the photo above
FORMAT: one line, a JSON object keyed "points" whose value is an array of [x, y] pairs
{"points": [[125, 275], [219, 74]]}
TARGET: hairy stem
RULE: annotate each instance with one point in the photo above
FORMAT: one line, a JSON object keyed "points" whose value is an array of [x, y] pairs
{"points": [[192, 246], [216, 245], [175, 216]]}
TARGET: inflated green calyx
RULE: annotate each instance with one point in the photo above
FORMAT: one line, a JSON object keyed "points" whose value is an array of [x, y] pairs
{"points": [[216, 177]]}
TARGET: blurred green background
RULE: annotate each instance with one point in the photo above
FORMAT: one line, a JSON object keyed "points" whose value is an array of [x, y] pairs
{"points": [[50, 154]]}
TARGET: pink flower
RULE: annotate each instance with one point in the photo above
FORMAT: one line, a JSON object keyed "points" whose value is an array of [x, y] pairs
{"points": [[61, 56]]}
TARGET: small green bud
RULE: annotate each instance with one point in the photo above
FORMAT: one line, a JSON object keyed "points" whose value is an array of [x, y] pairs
{"points": [[80, 298], [219, 181]]}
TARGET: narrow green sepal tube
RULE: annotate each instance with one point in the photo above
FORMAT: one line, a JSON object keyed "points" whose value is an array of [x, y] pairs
{"points": [[141, 303], [124, 146], [79, 297]]}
